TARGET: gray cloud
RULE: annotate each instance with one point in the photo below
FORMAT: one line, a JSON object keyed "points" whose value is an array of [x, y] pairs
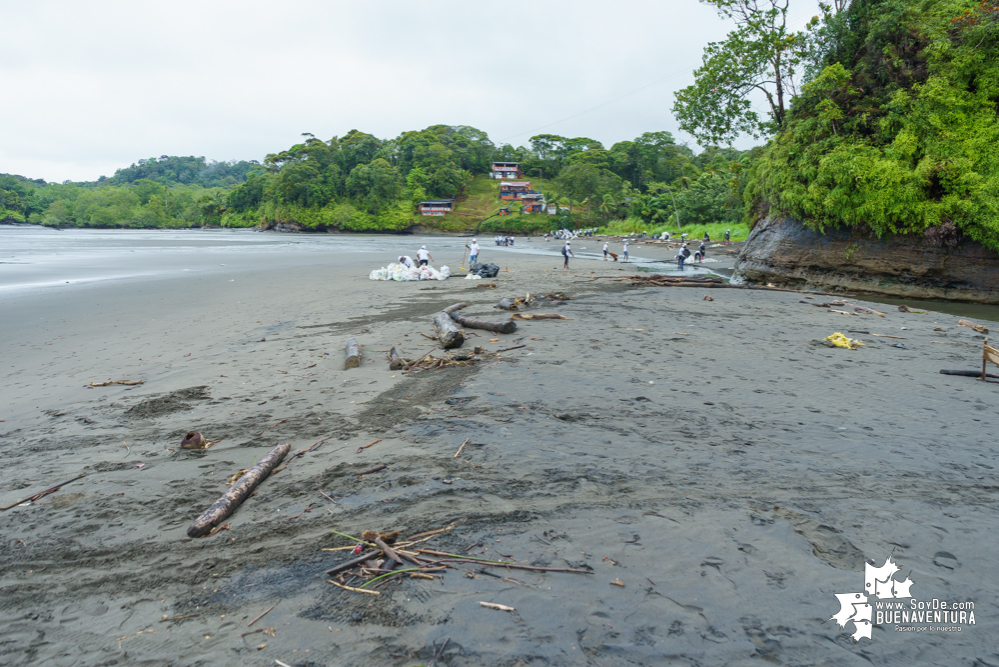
{"points": [[90, 87]]}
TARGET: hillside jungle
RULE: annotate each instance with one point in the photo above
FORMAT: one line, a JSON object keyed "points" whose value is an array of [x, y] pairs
{"points": [[360, 183]]}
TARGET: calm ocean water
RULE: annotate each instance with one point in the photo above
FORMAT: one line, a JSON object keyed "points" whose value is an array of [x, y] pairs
{"points": [[34, 258]]}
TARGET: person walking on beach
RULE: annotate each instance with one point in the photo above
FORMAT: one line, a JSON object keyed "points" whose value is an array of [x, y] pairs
{"points": [[424, 256], [702, 251], [566, 252], [625, 251], [406, 261], [606, 250], [679, 259], [473, 252], [728, 235]]}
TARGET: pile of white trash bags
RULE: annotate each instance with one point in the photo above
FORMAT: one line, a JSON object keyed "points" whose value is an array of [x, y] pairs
{"points": [[402, 272]]}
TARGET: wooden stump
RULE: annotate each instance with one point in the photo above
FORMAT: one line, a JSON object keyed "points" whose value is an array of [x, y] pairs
{"points": [[353, 354], [237, 493], [395, 361], [448, 332], [507, 304]]}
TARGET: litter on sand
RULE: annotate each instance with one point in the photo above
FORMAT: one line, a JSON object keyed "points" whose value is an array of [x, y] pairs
{"points": [[400, 272], [839, 340]]}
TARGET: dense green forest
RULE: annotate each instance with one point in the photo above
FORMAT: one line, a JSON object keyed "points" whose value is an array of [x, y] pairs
{"points": [[359, 182], [898, 130], [893, 128]]}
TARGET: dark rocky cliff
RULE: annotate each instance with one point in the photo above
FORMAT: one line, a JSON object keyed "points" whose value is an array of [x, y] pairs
{"points": [[941, 265]]}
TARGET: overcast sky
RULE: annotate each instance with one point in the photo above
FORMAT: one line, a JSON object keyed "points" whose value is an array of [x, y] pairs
{"points": [[92, 86]]}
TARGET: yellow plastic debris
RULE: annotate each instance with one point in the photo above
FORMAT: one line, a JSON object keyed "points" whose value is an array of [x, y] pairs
{"points": [[839, 340]]}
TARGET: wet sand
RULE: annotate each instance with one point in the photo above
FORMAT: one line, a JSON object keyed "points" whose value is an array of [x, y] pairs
{"points": [[729, 472]]}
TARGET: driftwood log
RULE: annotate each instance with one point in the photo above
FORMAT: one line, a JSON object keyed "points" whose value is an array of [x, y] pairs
{"points": [[448, 332], [499, 327], [237, 493], [353, 354]]}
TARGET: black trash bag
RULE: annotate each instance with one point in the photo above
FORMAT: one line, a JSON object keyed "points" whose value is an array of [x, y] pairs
{"points": [[484, 270]]}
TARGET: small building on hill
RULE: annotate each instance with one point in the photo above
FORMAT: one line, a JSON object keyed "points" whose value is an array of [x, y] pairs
{"points": [[514, 189], [533, 203], [436, 207], [506, 170]]}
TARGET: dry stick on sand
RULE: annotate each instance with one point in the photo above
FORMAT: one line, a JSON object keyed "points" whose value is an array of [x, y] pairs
{"points": [[515, 347], [272, 426], [328, 498], [377, 468], [250, 624], [887, 336], [111, 382], [538, 316], [346, 565], [51, 489], [237, 493], [460, 448], [355, 590], [314, 445], [455, 558], [493, 605], [367, 445]]}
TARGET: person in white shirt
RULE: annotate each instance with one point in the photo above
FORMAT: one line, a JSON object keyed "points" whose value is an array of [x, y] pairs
{"points": [[606, 250], [566, 253], [625, 251], [473, 252], [424, 256], [406, 261]]}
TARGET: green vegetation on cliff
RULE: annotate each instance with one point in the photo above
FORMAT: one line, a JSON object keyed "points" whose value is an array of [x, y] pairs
{"points": [[896, 130]]}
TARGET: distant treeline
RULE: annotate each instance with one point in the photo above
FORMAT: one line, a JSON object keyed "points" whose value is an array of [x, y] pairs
{"points": [[359, 182]]}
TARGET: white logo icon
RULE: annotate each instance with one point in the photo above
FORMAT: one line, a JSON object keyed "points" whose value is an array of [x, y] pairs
{"points": [[879, 582]]}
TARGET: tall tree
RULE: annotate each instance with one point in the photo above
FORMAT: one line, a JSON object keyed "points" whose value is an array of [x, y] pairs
{"points": [[760, 57]]}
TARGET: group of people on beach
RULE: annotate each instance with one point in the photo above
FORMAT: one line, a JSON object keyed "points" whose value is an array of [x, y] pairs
{"points": [[502, 240], [423, 256]]}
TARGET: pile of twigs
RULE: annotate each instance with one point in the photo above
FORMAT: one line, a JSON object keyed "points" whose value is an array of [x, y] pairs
{"points": [[384, 558], [429, 362]]}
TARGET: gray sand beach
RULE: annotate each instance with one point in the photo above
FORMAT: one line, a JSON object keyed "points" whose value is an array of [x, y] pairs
{"points": [[730, 475]]}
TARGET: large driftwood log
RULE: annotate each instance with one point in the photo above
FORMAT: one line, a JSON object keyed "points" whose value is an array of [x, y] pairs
{"points": [[353, 354], [509, 326], [448, 332], [236, 494], [457, 306]]}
